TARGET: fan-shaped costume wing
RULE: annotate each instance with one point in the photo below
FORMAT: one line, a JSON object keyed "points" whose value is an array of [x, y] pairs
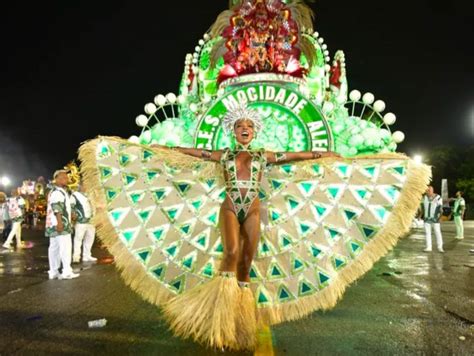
{"points": [[324, 223]]}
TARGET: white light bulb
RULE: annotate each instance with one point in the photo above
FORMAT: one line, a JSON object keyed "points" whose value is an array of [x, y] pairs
{"points": [[389, 119], [398, 136], [141, 120], [379, 106], [134, 139], [355, 95], [368, 98], [150, 108], [160, 100], [171, 98]]}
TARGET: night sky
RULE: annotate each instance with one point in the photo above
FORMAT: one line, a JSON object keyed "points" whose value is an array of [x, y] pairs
{"points": [[72, 70]]}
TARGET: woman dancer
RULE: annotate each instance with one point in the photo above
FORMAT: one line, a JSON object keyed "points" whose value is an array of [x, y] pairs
{"points": [[219, 313]]}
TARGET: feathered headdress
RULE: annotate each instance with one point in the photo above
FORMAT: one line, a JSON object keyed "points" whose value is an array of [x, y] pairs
{"points": [[241, 112]]}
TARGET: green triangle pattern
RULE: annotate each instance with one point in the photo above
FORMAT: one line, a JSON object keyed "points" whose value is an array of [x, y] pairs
{"points": [[262, 298], [339, 262], [343, 169], [274, 215], [105, 172], [159, 271], [104, 150], [144, 255], [284, 294], [370, 170], [185, 228], [287, 169], [355, 248], [333, 192], [320, 210], [136, 197], [197, 204], [323, 278], [285, 241], [399, 170], [297, 264], [333, 233], [159, 195], [189, 261], [128, 235], [275, 271], [219, 248], [305, 288], [212, 219], [111, 194], [381, 212], [177, 284], [208, 270], [362, 193], [315, 251], [172, 213], [124, 159], [151, 175], [129, 179], [350, 214], [276, 184], [144, 215], [316, 168], [368, 231], [307, 186], [147, 155], [182, 187], [172, 249], [158, 234], [392, 192], [211, 183]]}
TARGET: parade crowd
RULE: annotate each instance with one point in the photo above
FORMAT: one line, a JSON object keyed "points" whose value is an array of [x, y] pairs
{"points": [[66, 215]]}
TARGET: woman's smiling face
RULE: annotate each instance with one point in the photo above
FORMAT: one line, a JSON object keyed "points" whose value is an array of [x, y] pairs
{"points": [[244, 131]]}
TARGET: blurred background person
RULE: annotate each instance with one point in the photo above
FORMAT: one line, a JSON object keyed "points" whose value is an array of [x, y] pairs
{"points": [[84, 231], [59, 229], [458, 214], [432, 205], [16, 212]]}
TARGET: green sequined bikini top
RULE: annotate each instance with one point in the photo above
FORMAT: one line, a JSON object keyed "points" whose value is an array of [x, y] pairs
{"points": [[241, 203]]}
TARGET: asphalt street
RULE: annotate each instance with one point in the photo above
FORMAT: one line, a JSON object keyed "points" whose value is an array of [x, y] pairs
{"points": [[411, 302]]}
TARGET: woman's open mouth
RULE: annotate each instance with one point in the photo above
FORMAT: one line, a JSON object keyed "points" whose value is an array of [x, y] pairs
{"points": [[245, 134]]}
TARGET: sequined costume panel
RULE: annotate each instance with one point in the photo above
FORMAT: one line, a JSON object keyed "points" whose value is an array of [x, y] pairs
{"points": [[242, 193]]}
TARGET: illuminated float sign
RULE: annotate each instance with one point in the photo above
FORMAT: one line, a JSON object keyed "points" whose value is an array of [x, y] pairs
{"points": [[283, 109]]}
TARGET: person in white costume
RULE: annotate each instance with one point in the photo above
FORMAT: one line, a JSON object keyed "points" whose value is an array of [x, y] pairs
{"points": [[432, 205], [458, 214], [16, 212], [84, 231], [59, 229]]}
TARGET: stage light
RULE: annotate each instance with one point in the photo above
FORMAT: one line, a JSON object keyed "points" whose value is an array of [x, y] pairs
{"points": [[5, 181], [418, 159]]}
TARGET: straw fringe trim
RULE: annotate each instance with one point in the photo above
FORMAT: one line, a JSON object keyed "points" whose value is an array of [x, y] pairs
{"points": [[397, 226]]}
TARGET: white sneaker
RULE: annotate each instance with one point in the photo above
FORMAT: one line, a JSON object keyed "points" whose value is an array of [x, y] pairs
{"points": [[89, 259], [427, 250], [53, 276], [459, 238], [71, 275], [76, 260], [5, 245], [440, 250]]}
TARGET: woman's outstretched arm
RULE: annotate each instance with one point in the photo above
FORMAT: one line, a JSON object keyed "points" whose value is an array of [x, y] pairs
{"points": [[286, 157], [195, 152]]}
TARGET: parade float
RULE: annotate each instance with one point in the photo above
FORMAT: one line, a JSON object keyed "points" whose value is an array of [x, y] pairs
{"points": [[324, 223]]}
